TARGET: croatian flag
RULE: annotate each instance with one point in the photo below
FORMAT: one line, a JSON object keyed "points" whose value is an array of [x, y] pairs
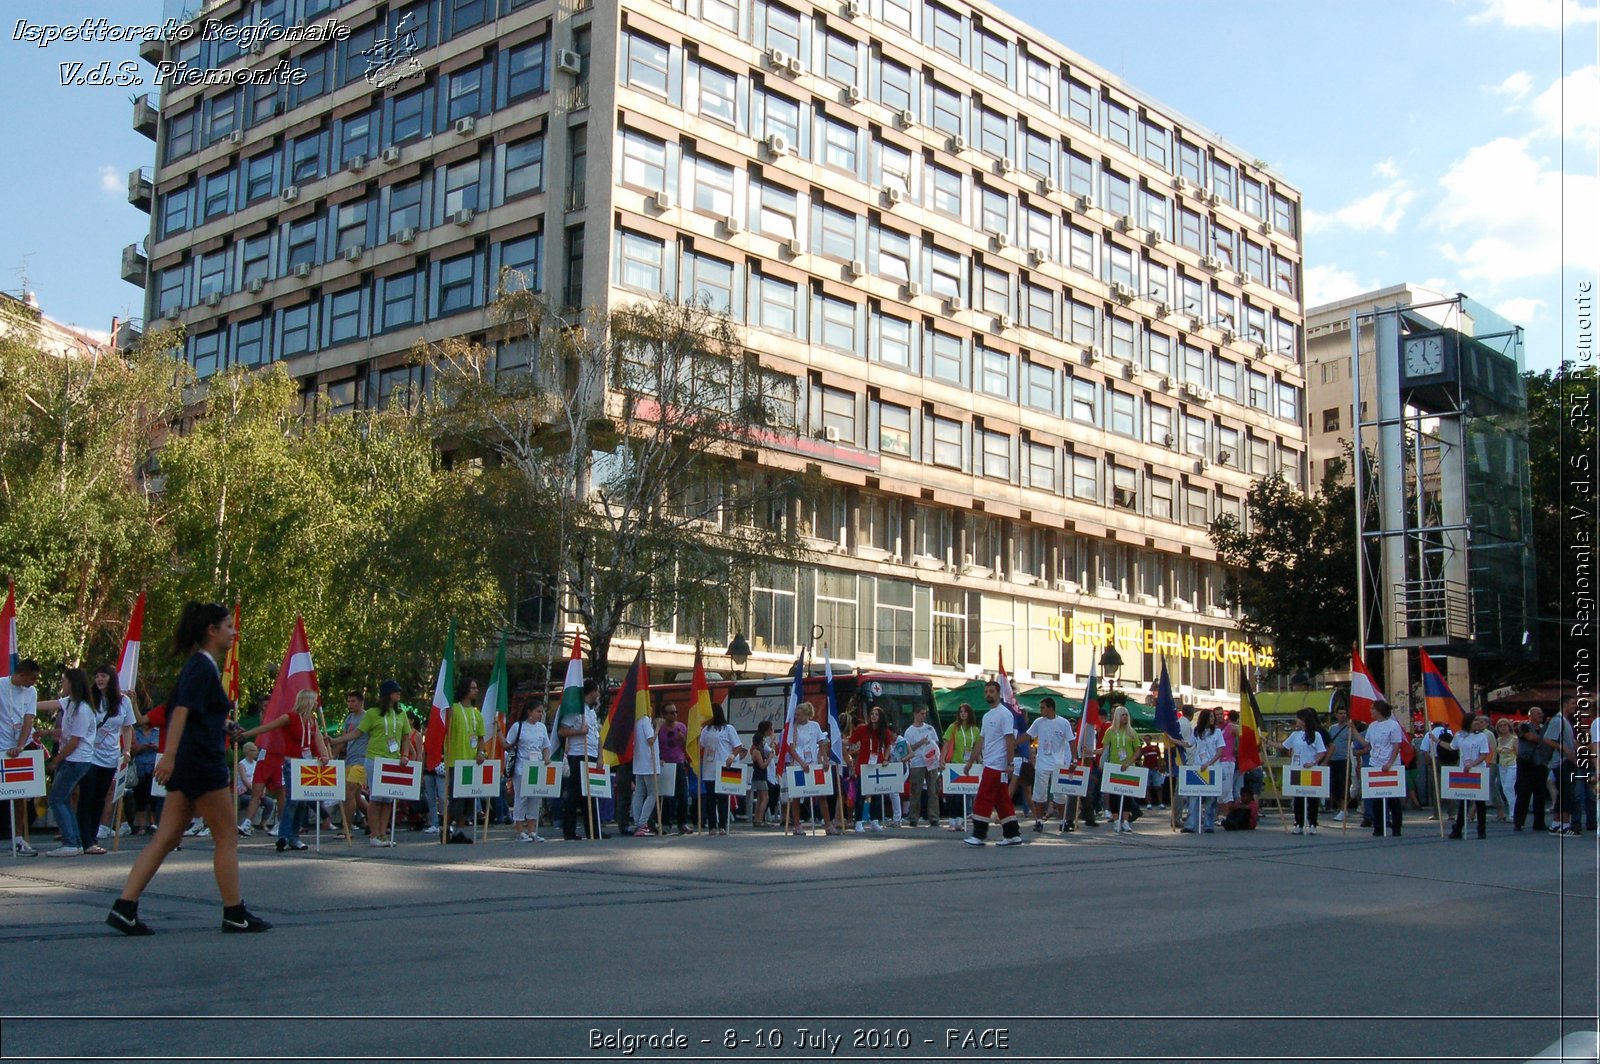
{"points": [[8, 633], [128, 664]]}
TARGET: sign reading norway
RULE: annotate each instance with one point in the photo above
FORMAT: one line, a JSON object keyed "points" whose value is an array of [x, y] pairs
{"points": [[23, 776], [1199, 782], [807, 782], [313, 782], [1307, 781], [960, 780], [883, 779], [396, 779], [468, 779], [1127, 782]]}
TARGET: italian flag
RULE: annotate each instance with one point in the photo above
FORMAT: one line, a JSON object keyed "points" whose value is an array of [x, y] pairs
{"points": [[572, 690], [443, 689]]}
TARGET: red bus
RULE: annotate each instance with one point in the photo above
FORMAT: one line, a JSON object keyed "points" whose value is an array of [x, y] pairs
{"points": [[747, 703]]}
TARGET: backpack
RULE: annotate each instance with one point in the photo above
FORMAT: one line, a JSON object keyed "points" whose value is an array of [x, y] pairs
{"points": [[1446, 755]]}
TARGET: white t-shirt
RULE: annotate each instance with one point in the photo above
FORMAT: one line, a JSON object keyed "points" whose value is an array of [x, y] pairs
{"points": [[1470, 745], [1430, 741], [1054, 738], [1302, 753], [644, 747], [108, 735], [998, 723], [1206, 748], [806, 743], [927, 753], [716, 747], [1383, 736], [588, 744], [247, 774], [532, 740], [77, 719], [15, 704]]}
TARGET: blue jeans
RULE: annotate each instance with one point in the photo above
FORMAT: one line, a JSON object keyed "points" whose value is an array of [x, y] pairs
{"points": [[1202, 814], [60, 801], [290, 817]]}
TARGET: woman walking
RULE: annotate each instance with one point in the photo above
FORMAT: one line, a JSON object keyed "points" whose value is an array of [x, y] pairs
{"points": [[1120, 747], [73, 765], [195, 772], [1504, 781], [1306, 748]]}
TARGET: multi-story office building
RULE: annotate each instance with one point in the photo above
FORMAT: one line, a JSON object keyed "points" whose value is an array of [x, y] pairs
{"points": [[1041, 329]]}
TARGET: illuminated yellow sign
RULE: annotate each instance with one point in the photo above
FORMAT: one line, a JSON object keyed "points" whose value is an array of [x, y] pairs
{"points": [[1149, 640]]}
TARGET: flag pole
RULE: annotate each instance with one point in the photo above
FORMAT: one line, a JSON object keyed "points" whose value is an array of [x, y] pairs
{"points": [[116, 811], [1349, 763], [660, 826]]}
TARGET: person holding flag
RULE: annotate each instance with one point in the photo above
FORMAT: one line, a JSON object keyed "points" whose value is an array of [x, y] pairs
{"points": [[959, 738], [807, 748], [113, 741], [998, 739], [304, 740], [1382, 743], [529, 740], [389, 735], [1202, 812], [19, 706], [719, 746], [1121, 747], [579, 732], [1052, 736], [1473, 748], [465, 739], [1306, 748]]}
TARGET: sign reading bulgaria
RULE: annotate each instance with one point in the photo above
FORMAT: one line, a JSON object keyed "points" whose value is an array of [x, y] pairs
{"points": [[1140, 638]]}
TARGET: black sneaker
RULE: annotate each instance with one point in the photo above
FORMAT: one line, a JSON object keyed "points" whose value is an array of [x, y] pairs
{"points": [[1038, 825], [237, 920], [459, 837], [124, 916]]}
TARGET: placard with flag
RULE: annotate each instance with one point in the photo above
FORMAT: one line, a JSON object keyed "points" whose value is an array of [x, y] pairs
{"points": [[808, 782], [396, 779], [1070, 781], [313, 782], [733, 779], [1383, 783], [1464, 784], [886, 778], [1128, 782], [468, 779], [960, 780], [598, 784], [22, 776], [1306, 781], [1199, 782], [541, 779]]}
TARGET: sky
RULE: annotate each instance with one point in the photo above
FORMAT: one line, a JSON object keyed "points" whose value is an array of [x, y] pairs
{"points": [[1447, 143]]}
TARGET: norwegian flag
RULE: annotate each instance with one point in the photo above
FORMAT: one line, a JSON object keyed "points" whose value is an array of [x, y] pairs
{"points": [[22, 776], [19, 770], [128, 663]]}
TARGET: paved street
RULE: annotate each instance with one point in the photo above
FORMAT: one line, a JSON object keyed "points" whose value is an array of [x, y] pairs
{"points": [[907, 945]]}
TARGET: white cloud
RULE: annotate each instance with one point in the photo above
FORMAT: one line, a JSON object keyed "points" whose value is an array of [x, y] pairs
{"points": [[1326, 283], [1506, 206], [111, 182], [1570, 107], [1518, 311], [1386, 170], [1378, 211], [1537, 14], [1516, 86]]}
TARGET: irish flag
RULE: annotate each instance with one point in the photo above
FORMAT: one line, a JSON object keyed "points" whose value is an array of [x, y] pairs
{"points": [[572, 691], [700, 714], [444, 687], [1363, 691], [8, 632], [128, 663], [295, 674]]}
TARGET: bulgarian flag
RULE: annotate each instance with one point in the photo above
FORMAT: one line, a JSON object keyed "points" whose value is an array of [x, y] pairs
{"points": [[443, 689], [1250, 731], [8, 632], [1441, 701], [128, 663], [496, 700], [295, 674], [572, 690], [1089, 723], [1123, 779], [700, 713], [1363, 691], [230, 664]]}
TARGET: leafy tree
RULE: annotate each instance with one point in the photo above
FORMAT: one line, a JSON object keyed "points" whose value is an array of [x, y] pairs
{"points": [[1561, 450]]}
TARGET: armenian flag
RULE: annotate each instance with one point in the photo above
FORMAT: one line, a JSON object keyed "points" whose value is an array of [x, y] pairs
{"points": [[1443, 708]]}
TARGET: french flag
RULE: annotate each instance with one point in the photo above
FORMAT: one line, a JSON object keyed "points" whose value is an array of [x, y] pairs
{"points": [[128, 664]]}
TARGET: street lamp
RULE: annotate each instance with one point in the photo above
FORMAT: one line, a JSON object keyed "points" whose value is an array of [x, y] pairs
{"points": [[738, 653], [1110, 661]]}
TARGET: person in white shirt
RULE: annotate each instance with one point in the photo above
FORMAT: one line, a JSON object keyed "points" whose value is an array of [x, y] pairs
{"points": [[997, 744], [530, 740], [1306, 748], [719, 746], [580, 733], [807, 749], [646, 766], [1204, 751], [1382, 744], [1474, 750], [922, 744], [1052, 737], [113, 739], [19, 701], [73, 763]]}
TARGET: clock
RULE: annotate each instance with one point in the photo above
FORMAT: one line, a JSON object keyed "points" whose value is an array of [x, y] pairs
{"points": [[1424, 356]]}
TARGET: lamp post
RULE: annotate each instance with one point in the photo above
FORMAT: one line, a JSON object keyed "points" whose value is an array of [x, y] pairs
{"points": [[1110, 663], [738, 653]]}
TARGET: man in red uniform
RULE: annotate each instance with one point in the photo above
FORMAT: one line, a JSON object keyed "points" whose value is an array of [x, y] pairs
{"points": [[997, 743]]}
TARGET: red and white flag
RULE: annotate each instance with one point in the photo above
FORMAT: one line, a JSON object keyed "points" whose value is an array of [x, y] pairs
{"points": [[1363, 691], [396, 779], [8, 632], [296, 674], [128, 664]]}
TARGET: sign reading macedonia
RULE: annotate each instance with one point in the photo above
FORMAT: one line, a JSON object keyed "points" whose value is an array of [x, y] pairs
{"points": [[1146, 639]]}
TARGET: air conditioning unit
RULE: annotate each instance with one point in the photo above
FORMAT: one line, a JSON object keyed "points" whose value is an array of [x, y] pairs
{"points": [[1268, 229], [302, 270], [255, 285], [353, 254], [357, 163], [406, 235], [852, 9], [852, 95], [1191, 389], [464, 216], [957, 143], [258, 47], [1207, 395], [1213, 199], [855, 268], [831, 433], [907, 118], [894, 195], [1085, 203], [732, 225], [777, 144], [1126, 223], [1229, 336], [1035, 257], [568, 61], [792, 247], [290, 193], [1164, 310], [796, 68], [1069, 586], [661, 201], [1004, 166], [1094, 354], [1166, 439], [1170, 384], [1122, 292], [999, 241], [236, 137], [913, 290], [1224, 456], [1180, 184], [1212, 263], [213, 298], [778, 59], [954, 304], [1003, 322], [1152, 237], [466, 126], [390, 156], [1047, 186], [1134, 371]]}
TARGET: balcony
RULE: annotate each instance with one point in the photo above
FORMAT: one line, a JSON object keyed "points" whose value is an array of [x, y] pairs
{"points": [[151, 49], [134, 265], [140, 190], [145, 117]]}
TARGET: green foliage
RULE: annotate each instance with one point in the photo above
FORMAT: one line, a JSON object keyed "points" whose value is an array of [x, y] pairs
{"points": [[1561, 450]]}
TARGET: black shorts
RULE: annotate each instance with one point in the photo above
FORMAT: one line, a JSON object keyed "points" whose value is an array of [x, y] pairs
{"points": [[197, 781]]}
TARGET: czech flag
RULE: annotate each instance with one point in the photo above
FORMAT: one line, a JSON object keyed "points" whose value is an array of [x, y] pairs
{"points": [[963, 778], [1442, 705]]}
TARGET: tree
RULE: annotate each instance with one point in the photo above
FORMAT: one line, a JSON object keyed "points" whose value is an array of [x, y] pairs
{"points": [[625, 445], [1294, 570], [1561, 451]]}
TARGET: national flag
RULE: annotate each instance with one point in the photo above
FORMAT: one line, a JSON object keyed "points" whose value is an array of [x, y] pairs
{"points": [[1166, 715], [572, 693], [1383, 776], [598, 776], [544, 775], [1123, 779], [1304, 777], [496, 701], [835, 738], [319, 776], [699, 712], [9, 655], [444, 687], [1248, 754], [1198, 777], [128, 663], [1465, 780], [631, 705], [1363, 691], [230, 664], [18, 769], [1441, 701], [473, 774], [398, 775], [295, 674], [1008, 697], [732, 775], [963, 776], [789, 723], [1089, 722]]}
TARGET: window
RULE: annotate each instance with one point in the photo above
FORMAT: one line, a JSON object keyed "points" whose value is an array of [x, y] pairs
{"points": [[1160, 348], [782, 117], [836, 610], [894, 429], [250, 342], [1330, 419], [946, 191], [783, 29], [180, 134], [1191, 163], [1195, 363], [170, 283], [894, 167], [1085, 478], [642, 263], [1283, 274], [840, 60], [1038, 154], [205, 353], [1260, 456], [838, 325], [350, 221], [776, 216], [1124, 413], [462, 15], [724, 13], [713, 187], [895, 616], [947, 446], [212, 271], [1194, 435], [1041, 384], [894, 256], [1083, 404], [1196, 507], [1288, 401], [1119, 266], [647, 65], [709, 281], [218, 189], [408, 116], [994, 372], [356, 137], [1039, 303], [777, 305], [996, 454], [344, 316], [1080, 249], [947, 358], [1258, 389], [1157, 144], [1124, 487], [947, 110], [396, 387], [1083, 324], [1041, 468], [1330, 371], [1037, 76], [525, 69], [1119, 124], [400, 302], [1222, 178], [1079, 174], [175, 211], [405, 207], [994, 133], [994, 295], [296, 329], [1228, 379], [305, 159], [1225, 245], [458, 289], [524, 167], [464, 94], [897, 13], [1119, 194], [1253, 197], [1283, 214], [301, 244], [224, 116], [316, 66], [644, 161], [840, 146], [1255, 324], [894, 85], [838, 412], [1229, 452], [1160, 498], [1122, 339], [949, 31], [994, 57], [1161, 425], [994, 211], [1155, 212], [1080, 103], [717, 89], [945, 269], [461, 187], [838, 230], [894, 341]]}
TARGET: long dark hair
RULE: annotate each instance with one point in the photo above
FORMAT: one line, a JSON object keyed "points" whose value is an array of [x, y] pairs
{"points": [[193, 624], [1205, 722], [762, 730], [718, 720], [880, 733], [78, 687], [111, 701], [971, 714], [1308, 723]]}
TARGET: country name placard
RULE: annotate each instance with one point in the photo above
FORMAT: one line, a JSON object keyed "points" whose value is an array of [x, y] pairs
{"points": [[1306, 781], [393, 780], [310, 781]]}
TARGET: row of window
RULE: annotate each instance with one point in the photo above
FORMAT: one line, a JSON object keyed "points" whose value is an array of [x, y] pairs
{"points": [[987, 124]]}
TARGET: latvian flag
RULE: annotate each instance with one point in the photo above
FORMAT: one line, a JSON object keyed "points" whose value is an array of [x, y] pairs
{"points": [[18, 770], [1124, 779], [1304, 777], [397, 775], [1465, 781], [732, 776], [319, 776], [476, 775]]}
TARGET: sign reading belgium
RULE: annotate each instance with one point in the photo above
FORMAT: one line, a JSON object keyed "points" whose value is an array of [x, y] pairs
{"points": [[1149, 639]]}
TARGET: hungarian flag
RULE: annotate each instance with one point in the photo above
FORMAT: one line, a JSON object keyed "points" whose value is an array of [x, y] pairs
{"points": [[631, 705], [128, 663], [295, 674], [496, 700], [1250, 731], [1166, 715], [443, 691], [1442, 705], [315, 775], [1090, 722], [700, 713], [1363, 692], [572, 692], [835, 739], [230, 664], [789, 721], [8, 632]]}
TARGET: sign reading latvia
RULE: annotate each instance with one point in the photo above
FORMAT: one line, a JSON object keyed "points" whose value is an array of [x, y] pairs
{"points": [[1199, 782], [1468, 784], [396, 779], [733, 779], [1070, 781], [599, 781], [807, 782], [311, 782], [1307, 781], [468, 779], [1383, 783], [22, 776], [958, 780], [1128, 782], [887, 778], [541, 780]]}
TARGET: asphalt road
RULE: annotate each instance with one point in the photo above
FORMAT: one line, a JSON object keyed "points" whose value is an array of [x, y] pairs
{"points": [[901, 946]]}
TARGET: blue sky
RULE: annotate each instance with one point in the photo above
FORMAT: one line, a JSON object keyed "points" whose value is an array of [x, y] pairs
{"points": [[1450, 143]]}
